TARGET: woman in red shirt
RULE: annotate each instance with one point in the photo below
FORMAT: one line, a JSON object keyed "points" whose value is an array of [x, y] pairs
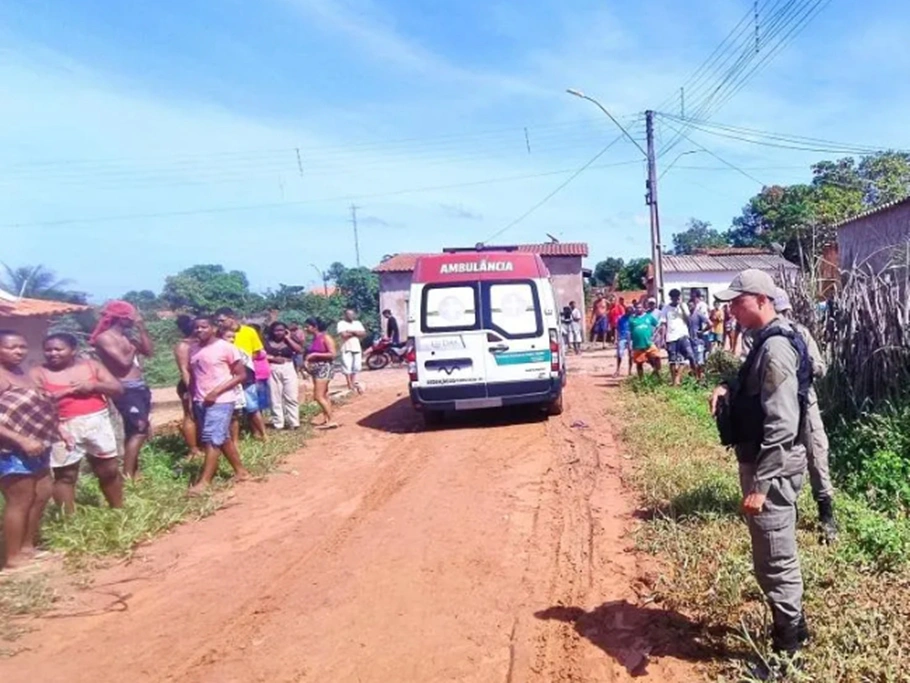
{"points": [[81, 389]]}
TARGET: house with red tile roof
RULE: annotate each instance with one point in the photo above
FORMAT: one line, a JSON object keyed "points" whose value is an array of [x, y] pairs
{"points": [[563, 260], [32, 318]]}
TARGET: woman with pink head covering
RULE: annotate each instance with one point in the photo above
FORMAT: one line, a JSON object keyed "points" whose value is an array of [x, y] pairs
{"points": [[120, 338]]}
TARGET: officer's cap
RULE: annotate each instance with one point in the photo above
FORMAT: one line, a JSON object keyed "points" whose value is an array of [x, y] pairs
{"points": [[751, 281], [782, 301]]}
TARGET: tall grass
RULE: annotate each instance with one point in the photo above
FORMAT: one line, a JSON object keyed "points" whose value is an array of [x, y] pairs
{"points": [[857, 592]]}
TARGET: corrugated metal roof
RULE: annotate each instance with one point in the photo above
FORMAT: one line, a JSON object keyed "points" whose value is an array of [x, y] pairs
{"points": [[703, 262], [870, 212], [404, 263]]}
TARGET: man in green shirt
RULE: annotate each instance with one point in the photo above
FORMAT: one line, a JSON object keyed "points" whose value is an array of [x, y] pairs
{"points": [[644, 351]]}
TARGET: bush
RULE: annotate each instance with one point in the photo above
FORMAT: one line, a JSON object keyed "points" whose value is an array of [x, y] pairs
{"points": [[871, 457]]}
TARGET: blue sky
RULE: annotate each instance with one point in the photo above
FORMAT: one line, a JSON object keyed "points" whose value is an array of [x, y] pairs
{"points": [[142, 139]]}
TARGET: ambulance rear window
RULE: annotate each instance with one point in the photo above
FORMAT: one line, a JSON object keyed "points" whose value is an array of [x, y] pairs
{"points": [[514, 309], [449, 308]]}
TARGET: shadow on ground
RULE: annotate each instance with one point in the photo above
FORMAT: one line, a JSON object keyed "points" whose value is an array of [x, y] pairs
{"points": [[632, 635], [401, 418]]}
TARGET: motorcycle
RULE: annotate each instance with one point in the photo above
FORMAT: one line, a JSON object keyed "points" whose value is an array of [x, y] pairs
{"points": [[383, 352]]}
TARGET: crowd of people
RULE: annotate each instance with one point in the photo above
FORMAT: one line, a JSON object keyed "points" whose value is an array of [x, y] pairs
{"points": [[233, 375], [688, 331]]}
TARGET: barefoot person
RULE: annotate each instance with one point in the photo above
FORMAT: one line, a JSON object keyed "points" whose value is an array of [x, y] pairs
{"points": [[319, 358], [247, 340], [218, 374], [81, 389], [120, 339], [28, 428], [182, 357]]}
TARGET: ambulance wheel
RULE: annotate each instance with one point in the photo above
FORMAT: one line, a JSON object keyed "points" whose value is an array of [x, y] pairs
{"points": [[433, 418], [555, 406]]}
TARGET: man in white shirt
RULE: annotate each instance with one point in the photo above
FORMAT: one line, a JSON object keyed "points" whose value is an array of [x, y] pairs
{"points": [[674, 323], [351, 332]]}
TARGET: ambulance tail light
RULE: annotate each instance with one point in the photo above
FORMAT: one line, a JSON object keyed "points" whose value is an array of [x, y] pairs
{"points": [[554, 351], [411, 358]]}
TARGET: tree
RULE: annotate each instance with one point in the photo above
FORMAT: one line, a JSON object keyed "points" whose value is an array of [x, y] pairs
{"points": [[606, 271], [360, 289], [145, 300], [207, 288], [335, 272], [697, 235], [38, 282], [633, 275]]}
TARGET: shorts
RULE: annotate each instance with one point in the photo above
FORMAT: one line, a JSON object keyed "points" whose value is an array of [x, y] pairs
{"points": [[322, 370], [214, 422], [93, 435], [16, 464], [600, 325], [351, 362], [575, 333], [642, 356], [134, 406], [680, 351], [698, 351], [256, 396], [623, 346]]}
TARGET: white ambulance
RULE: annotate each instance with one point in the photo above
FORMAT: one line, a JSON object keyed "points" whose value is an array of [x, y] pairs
{"points": [[485, 333]]}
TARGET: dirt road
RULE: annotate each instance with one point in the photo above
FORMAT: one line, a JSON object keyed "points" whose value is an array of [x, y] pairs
{"points": [[495, 549]]}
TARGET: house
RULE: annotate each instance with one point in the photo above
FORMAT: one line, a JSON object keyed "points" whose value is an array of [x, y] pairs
{"points": [[712, 270], [869, 239], [32, 318], [563, 260]]}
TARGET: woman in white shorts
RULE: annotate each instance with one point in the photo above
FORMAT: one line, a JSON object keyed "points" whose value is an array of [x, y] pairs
{"points": [[81, 389]]}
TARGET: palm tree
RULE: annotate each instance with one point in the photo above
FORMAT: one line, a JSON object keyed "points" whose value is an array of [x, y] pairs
{"points": [[36, 282]]}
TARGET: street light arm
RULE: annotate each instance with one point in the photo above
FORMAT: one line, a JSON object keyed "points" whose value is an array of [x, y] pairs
{"points": [[579, 93]]}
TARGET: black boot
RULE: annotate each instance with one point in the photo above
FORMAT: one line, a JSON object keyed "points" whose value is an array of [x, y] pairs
{"points": [[827, 522], [787, 644], [802, 631]]}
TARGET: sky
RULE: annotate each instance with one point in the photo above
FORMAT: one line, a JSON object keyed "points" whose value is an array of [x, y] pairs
{"points": [[140, 139]]}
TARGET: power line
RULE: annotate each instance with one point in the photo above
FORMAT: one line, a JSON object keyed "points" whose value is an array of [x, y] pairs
{"points": [[723, 161], [775, 140], [552, 194], [279, 205], [788, 20]]}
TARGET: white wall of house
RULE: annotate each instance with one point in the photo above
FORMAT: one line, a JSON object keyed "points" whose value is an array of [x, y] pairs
{"points": [[713, 281], [394, 291]]}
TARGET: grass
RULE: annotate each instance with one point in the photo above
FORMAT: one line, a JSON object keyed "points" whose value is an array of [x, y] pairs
{"points": [[857, 592], [152, 506]]}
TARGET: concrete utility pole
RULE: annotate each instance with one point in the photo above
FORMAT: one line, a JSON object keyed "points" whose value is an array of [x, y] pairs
{"points": [[651, 198], [356, 238]]}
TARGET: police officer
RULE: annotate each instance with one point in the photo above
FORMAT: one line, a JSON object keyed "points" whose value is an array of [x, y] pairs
{"points": [[765, 407], [815, 437]]}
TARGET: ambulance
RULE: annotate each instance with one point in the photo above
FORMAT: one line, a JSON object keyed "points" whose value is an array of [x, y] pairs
{"points": [[485, 333]]}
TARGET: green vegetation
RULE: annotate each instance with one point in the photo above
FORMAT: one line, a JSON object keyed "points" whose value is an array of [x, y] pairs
{"points": [[156, 502], [857, 592], [152, 505]]}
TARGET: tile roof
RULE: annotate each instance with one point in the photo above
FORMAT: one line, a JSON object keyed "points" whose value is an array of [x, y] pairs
{"points": [[32, 308], [870, 212], [399, 263], [705, 262], [404, 263]]}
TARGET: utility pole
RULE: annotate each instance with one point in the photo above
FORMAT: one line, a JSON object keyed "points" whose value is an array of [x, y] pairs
{"points": [[651, 198], [356, 237]]}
